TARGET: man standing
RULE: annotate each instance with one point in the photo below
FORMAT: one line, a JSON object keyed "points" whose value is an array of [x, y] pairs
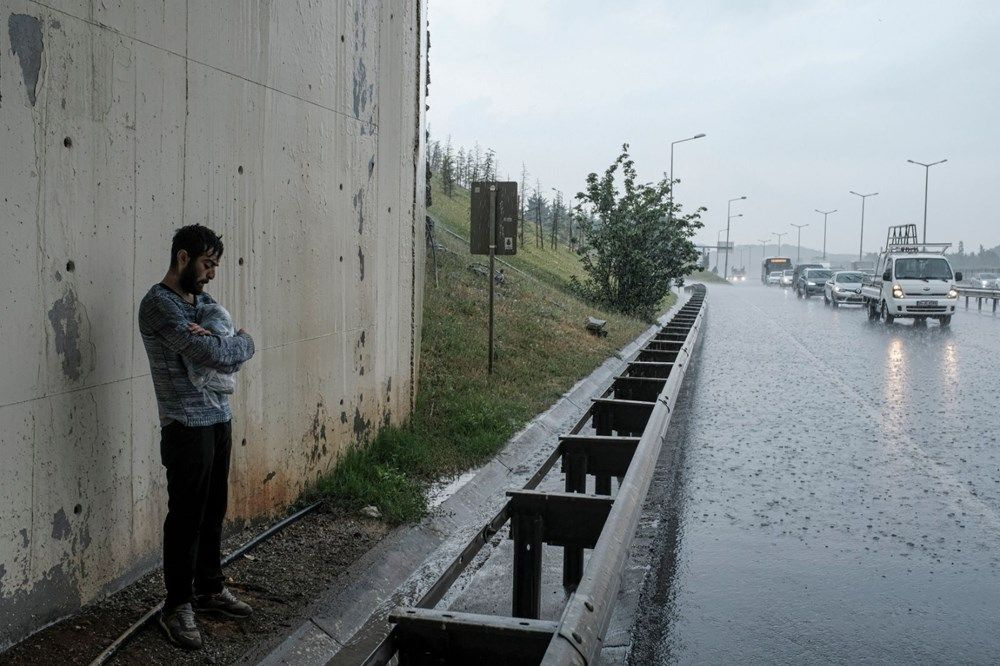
{"points": [[196, 436]]}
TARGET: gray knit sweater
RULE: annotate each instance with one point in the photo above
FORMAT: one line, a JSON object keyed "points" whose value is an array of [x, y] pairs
{"points": [[163, 320]]}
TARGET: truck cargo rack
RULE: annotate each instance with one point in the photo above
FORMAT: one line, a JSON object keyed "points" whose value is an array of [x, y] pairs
{"points": [[903, 238], [619, 437]]}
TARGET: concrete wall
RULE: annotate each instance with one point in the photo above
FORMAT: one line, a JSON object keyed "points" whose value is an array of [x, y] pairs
{"points": [[294, 128]]}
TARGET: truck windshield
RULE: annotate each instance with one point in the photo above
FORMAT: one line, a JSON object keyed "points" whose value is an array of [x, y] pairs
{"points": [[926, 268]]}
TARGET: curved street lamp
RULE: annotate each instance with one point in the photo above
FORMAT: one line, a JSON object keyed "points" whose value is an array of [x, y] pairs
{"points": [[861, 250], [824, 213], [729, 216], [670, 213], [927, 171], [798, 252]]}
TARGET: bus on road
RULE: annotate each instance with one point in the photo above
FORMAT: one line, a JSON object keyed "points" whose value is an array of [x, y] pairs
{"points": [[773, 264]]}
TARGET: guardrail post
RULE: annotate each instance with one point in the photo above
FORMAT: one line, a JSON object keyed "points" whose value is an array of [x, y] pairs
{"points": [[602, 482], [575, 466], [527, 532], [979, 303], [966, 302], [994, 306]]}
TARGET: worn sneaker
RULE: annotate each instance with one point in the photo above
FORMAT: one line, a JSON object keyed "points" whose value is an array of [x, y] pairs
{"points": [[222, 602], [180, 626]]}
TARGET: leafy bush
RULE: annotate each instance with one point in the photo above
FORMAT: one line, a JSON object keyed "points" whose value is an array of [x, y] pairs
{"points": [[638, 244]]}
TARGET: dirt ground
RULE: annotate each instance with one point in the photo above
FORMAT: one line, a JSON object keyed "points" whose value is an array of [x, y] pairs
{"points": [[280, 579]]}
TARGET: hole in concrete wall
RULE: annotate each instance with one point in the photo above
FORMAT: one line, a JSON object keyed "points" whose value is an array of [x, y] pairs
{"points": [[342, 186], [241, 261], [390, 209], [77, 509], [244, 442], [68, 142], [239, 169], [341, 258], [70, 266], [341, 38]]}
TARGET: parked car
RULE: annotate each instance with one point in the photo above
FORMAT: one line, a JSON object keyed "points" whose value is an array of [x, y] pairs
{"points": [[812, 281], [786, 278], [843, 287], [774, 277]]}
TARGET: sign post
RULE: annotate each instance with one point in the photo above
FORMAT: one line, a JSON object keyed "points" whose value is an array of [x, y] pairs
{"points": [[493, 253], [493, 211]]}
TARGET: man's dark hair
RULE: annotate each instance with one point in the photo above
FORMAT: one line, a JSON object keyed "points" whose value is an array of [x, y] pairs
{"points": [[197, 240]]}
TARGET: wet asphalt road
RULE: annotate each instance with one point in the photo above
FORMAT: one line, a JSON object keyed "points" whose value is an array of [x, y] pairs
{"points": [[838, 493]]}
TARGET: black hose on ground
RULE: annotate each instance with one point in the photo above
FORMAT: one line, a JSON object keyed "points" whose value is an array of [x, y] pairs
{"points": [[102, 658]]}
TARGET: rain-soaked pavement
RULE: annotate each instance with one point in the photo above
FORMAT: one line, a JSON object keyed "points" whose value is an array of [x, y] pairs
{"points": [[837, 496]]}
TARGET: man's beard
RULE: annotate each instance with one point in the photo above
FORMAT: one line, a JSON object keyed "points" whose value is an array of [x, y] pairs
{"points": [[189, 280]]}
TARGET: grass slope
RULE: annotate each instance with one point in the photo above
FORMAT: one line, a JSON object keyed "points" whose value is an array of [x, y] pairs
{"points": [[554, 266], [707, 277], [464, 416]]}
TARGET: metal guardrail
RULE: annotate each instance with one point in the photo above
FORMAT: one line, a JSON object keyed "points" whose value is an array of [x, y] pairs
{"points": [[620, 436], [980, 295]]}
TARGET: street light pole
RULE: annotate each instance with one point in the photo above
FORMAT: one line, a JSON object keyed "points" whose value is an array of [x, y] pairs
{"points": [[718, 249], [861, 246], [927, 172], [775, 233], [670, 212], [824, 213], [729, 217], [798, 252]]}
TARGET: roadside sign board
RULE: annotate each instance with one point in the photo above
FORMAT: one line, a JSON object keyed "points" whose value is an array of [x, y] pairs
{"points": [[506, 218]]}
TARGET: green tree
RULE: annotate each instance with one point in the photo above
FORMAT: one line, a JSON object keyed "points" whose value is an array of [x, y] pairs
{"points": [[634, 250], [448, 170]]}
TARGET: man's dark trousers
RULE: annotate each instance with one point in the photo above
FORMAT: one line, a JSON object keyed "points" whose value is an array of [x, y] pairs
{"points": [[197, 462]]}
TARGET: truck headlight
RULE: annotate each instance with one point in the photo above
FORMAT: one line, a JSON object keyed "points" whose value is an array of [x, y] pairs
{"points": [[897, 291], [952, 293]]}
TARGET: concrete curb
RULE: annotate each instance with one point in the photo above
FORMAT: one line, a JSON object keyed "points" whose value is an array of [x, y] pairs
{"points": [[348, 621]]}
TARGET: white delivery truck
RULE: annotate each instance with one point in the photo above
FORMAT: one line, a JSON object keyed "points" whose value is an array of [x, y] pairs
{"points": [[912, 280]]}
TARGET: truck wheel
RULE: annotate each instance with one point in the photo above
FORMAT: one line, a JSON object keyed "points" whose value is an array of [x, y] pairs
{"points": [[886, 317], [946, 320]]}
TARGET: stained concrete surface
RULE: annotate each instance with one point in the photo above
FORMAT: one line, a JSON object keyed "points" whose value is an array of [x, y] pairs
{"points": [[297, 131], [837, 495]]}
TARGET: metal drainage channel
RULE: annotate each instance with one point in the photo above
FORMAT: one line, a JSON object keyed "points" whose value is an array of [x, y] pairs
{"points": [[630, 420]]}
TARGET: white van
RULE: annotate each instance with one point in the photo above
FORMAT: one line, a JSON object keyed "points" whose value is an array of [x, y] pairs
{"points": [[912, 280]]}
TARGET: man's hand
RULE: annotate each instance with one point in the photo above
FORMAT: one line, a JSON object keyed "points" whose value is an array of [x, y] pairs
{"points": [[195, 329]]}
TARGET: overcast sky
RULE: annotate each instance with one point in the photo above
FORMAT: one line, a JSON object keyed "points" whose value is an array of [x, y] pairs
{"points": [[801, 102]]}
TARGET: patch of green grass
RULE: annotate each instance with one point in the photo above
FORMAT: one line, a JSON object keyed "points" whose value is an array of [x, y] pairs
{"points": [[463, 416], [707, 277]]}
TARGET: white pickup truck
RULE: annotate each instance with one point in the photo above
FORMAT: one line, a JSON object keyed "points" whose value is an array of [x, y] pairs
{"points": [[912, 280]]}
